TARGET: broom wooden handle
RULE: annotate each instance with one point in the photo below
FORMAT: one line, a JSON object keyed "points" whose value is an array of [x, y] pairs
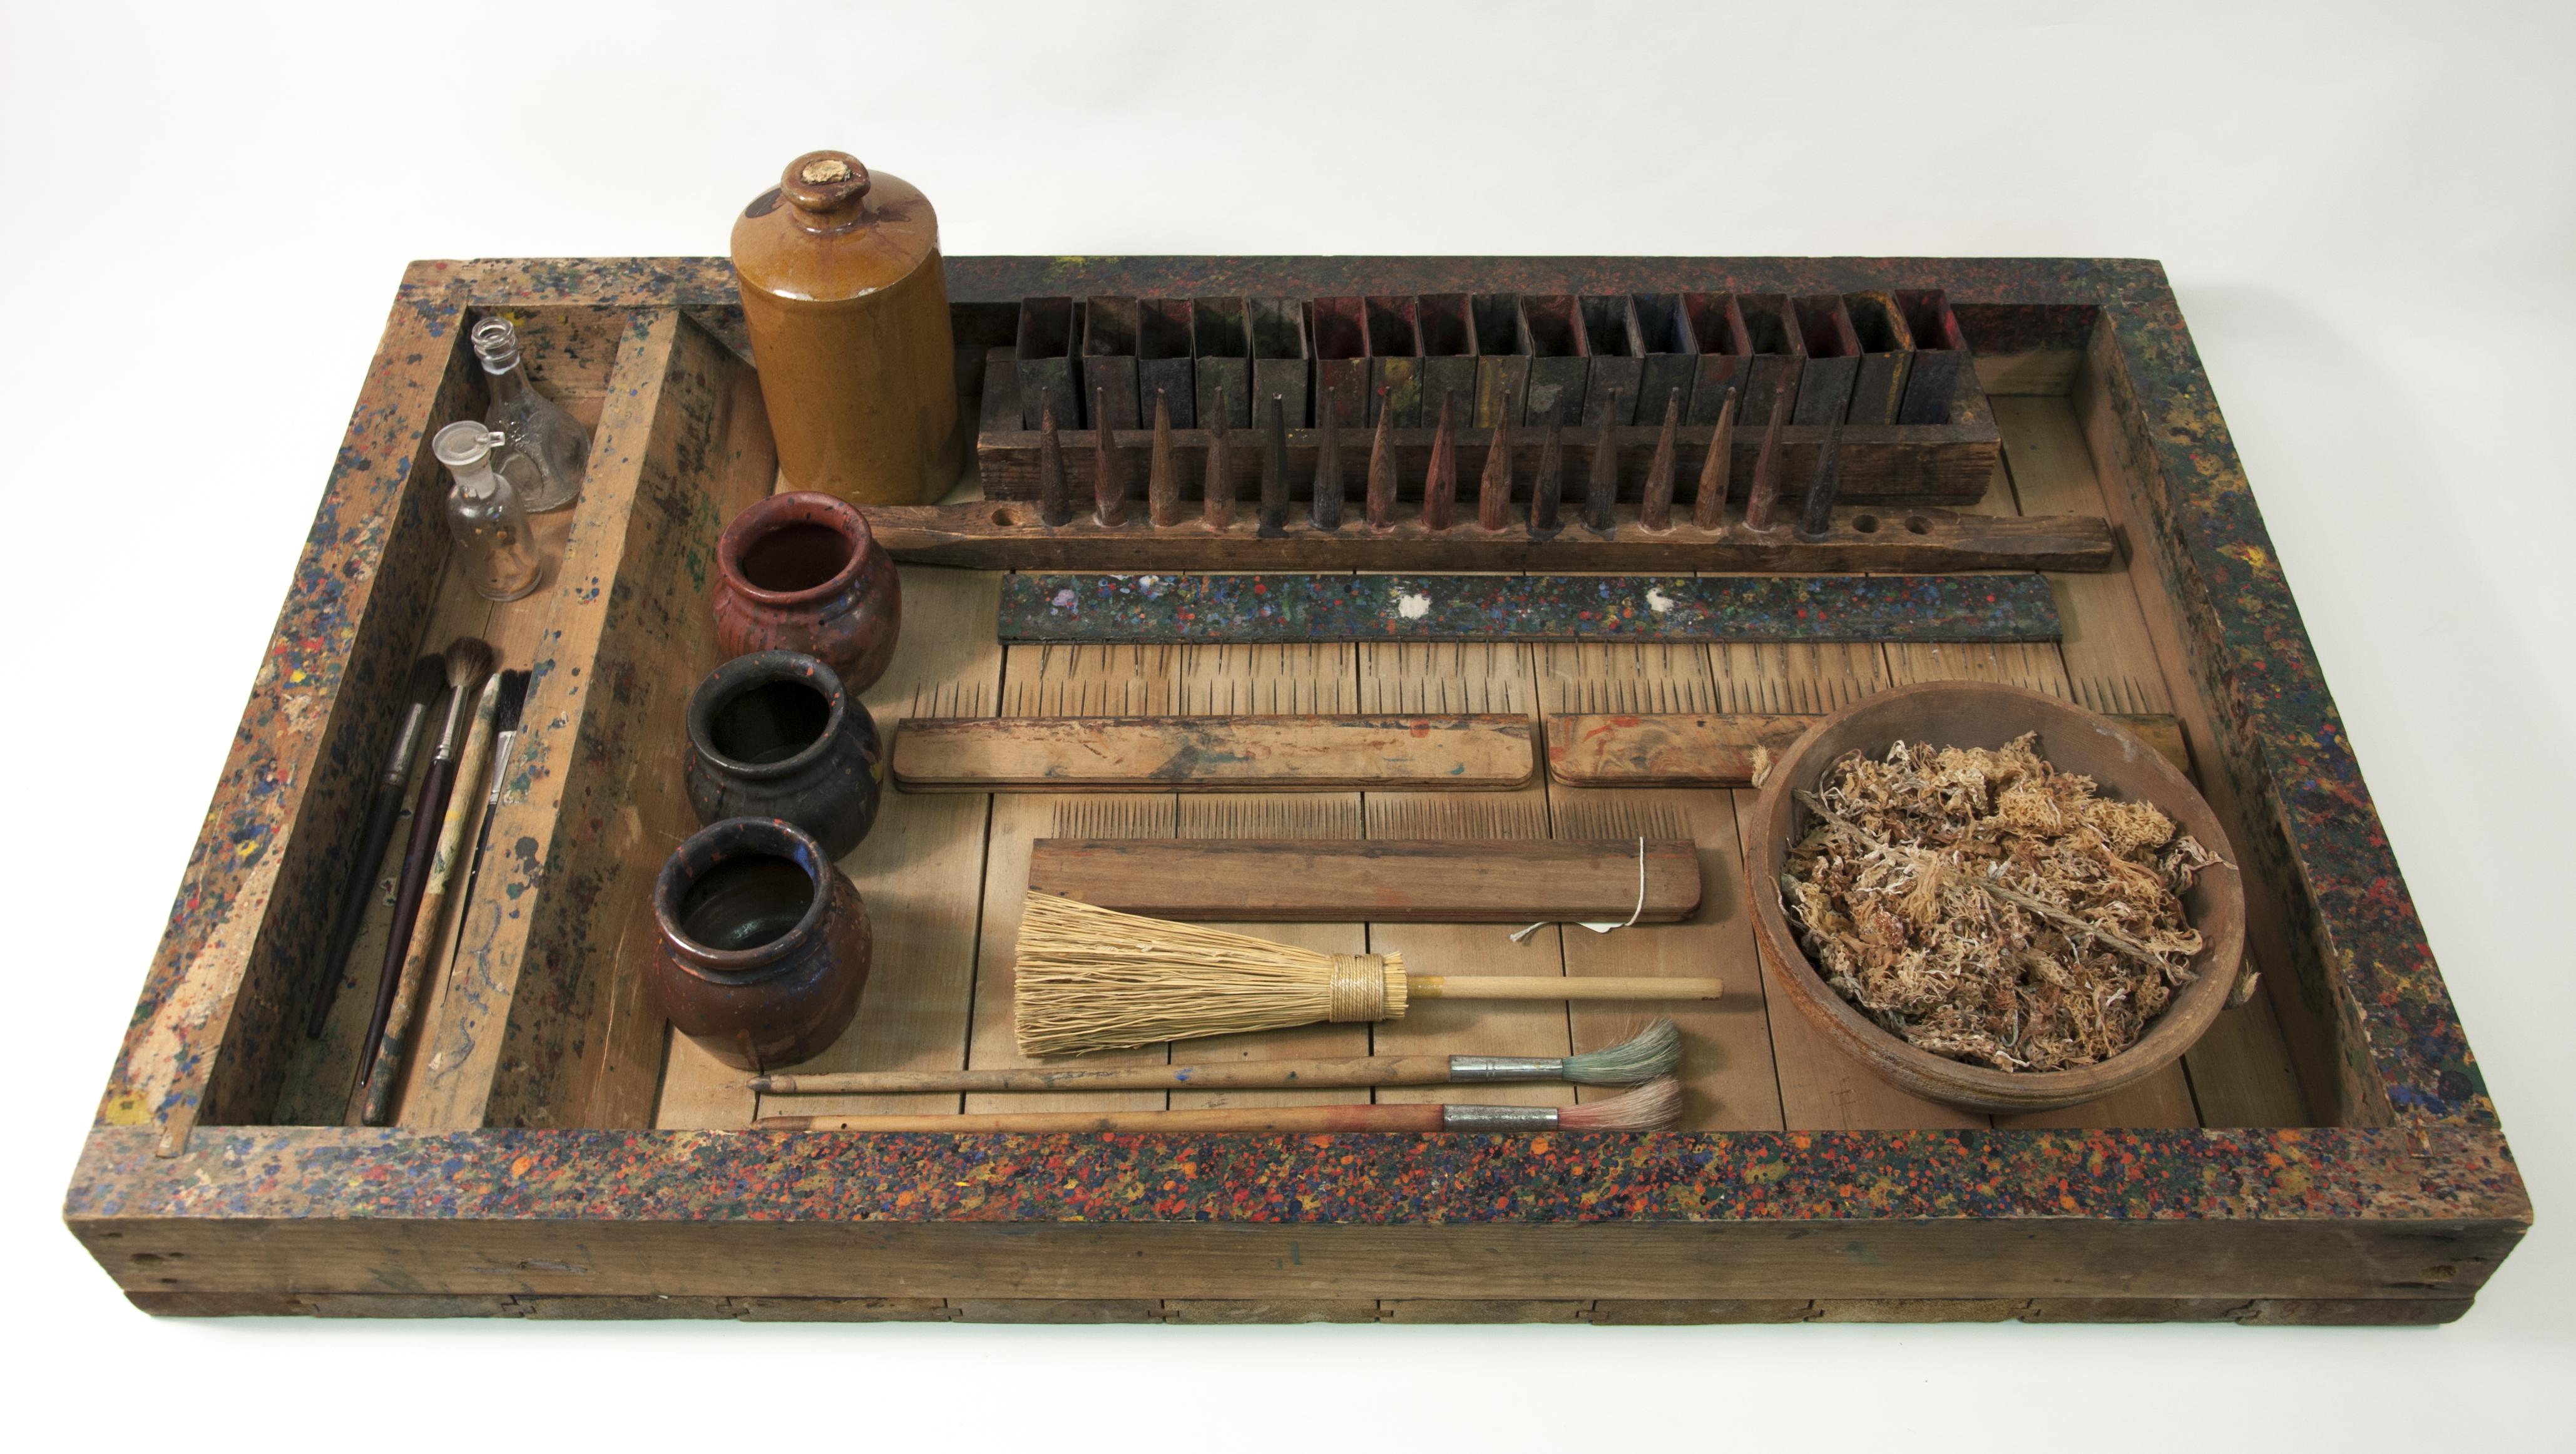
{"points": [[1347, 1070], [1227, 1118], [1559, 987]]}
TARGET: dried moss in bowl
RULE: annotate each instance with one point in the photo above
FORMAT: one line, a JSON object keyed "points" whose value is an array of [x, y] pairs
{"points": [[1986, 907]]}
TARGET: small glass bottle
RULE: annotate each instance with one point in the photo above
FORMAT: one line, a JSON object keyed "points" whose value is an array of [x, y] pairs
{"points": [[484, 514], [548, 451]]}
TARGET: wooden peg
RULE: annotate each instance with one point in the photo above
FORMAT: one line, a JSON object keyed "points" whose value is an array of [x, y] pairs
{"points": [[1274, 470], [1108, 467], [1325, 509], [1440, 485], [1216, 492], [1381, 472], [1550, 486], [1823, 484], [1162, 473], [1708, 512], [1055, 498], [1601, 486], [1770, 464], [1494, 488], [1656, 512]]}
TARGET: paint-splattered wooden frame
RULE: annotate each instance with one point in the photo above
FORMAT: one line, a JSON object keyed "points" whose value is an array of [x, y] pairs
{"points": [[2397, 1212]]}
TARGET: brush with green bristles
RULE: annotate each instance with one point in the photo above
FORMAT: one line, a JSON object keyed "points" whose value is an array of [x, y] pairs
{"points": [[1651, 1052]]}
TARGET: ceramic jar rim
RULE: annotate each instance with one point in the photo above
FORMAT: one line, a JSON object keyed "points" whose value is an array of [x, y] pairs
{"points": [[763, 516], [741, 838], [753, 669]]}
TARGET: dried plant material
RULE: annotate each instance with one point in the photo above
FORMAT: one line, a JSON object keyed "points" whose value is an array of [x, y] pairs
{"points": [[1989, 908]]}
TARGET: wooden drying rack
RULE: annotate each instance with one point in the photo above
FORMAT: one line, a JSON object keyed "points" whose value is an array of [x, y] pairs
{"points": [[2328, 1153]]}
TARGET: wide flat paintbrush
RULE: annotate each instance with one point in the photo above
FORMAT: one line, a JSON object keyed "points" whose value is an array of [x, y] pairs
{"points": [[1090, 978], [467, 661], [387, 1070], [1649, 1107], [1649, 1053], [427, 674]]}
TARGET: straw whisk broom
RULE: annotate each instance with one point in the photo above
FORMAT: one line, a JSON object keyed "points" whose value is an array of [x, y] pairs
{"points": [[1094, 979], [1652, 1106], [1651, 1052]]}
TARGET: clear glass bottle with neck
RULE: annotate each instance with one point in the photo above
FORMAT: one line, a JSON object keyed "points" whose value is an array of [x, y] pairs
{"points": [[484, 514], [548, 451]]}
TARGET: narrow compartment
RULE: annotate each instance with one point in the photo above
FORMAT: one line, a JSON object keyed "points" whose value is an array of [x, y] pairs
{"points": [[1395, 360], [1833, 359], [1221, 359], [1664, 337], [1279, 360], [1886, 356], [1109, 363], [1338, 331], [1044, 353], [1724, 350], [1551, 334], [1502, 357], [1163, 361], [1618, 361]]}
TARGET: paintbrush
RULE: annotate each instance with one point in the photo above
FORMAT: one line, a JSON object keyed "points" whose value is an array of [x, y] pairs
{"points": [[387, 1068], [1090, 978], [1651, 1106], [382, 818], [1649, 1053], [466, 662], [514, 696]]}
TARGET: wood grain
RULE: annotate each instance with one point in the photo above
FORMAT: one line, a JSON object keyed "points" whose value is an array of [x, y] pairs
{"points": [[1379, 881], [1213, 754], [1724, 750]]}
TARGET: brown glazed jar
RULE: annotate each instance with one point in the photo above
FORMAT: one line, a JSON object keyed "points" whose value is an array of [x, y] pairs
{"points": [[764, 944], [802, 572], [774, 735], [848, 308]]}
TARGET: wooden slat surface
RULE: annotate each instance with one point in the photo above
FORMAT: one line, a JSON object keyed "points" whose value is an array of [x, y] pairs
{"points": [[1745, 1066]]}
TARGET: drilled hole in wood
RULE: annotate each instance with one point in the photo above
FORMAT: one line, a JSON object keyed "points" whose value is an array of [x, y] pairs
{"points": [[1865, 524], [148, 1259], [1918, 525], [1005, 517]]}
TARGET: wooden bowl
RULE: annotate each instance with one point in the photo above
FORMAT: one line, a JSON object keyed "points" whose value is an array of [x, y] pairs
{"points": [[1977, 714]]}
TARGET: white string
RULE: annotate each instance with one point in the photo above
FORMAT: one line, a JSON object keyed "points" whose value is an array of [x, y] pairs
{"points": [[1604, 926]]}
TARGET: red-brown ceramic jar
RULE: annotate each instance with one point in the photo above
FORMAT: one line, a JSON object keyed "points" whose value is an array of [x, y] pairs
{"points": [[765, 944], [802, 572]]}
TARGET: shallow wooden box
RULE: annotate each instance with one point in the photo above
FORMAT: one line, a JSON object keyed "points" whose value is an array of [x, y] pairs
{"points": [[2328, 1154]]}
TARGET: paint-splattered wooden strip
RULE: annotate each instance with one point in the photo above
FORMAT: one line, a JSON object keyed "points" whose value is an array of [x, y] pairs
{"points": [[1267, 608], [1300, 880]]}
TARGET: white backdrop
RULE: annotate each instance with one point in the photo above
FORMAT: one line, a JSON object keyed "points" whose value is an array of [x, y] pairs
{"points": [[2369, 212]]}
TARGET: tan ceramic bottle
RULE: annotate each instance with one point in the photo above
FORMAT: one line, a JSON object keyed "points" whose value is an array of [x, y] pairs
{"points": [[848, 308]]}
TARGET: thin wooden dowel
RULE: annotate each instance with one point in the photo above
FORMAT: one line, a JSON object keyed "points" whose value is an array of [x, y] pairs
{"points": [[1225, 1118], [1559, 987], [1339, 1071]]}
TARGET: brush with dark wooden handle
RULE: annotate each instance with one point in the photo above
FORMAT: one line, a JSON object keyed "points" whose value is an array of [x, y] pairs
{"points": [[514, 696], [1643, 1056], [382, 819], [387, 1072], [466, 663], [1649, 1107]]}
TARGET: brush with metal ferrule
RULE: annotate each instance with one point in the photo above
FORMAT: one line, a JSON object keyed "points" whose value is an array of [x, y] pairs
{"points": [[386, 1070], [1641, 1057], [514, 696], [1650, 1107], [427, 676], [466, 662]]}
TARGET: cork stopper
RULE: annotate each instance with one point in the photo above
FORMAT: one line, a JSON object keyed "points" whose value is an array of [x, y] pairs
{"points": [[825, 185]]}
